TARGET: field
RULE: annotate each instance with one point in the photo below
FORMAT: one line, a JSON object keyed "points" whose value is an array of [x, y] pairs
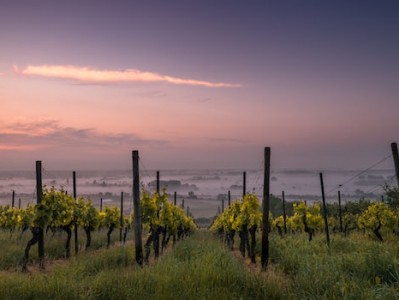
{"points": [[201, 267]]}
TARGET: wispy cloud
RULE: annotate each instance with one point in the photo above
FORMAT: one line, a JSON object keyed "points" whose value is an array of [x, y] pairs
{"points": [[50, 134], [86, 74]]}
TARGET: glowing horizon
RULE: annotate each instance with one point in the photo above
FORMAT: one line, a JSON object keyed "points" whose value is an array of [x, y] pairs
{"points": [[198, 84]]}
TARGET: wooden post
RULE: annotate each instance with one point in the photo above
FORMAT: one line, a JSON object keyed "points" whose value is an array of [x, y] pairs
{"points": [[137, 210], [19, 203], [174, 198], [39, 192], [101, 204], [13, 199], [340, 211], [324, 210], [265, 210], [182, 203], [188, 211], [229, 198], [244, 184], [284, 214], [121, 219], [76, 225], [394, 147], [158, 182]]}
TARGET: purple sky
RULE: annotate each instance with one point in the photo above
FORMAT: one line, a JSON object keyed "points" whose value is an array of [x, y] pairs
{"points": [[198, 83]]}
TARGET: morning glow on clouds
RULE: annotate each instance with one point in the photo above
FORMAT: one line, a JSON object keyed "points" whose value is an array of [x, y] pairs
{"points": [[86, 74]]}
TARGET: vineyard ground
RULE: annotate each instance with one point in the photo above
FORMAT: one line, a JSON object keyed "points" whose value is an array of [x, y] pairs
{"points": [[201, 267]]}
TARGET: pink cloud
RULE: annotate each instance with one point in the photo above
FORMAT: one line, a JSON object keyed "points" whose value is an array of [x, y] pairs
{"points": [[50, 134], [86, 74]]}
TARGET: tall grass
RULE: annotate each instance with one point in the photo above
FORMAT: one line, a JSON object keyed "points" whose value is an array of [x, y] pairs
{"points": [[352, 268], [198, 268], [12, 246]]}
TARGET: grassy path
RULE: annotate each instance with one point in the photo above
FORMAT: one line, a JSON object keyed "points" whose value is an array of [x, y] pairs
{"points": [[198, 268]]}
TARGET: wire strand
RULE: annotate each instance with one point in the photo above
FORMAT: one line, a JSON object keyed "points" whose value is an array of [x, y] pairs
{"points": [[359, 173]]}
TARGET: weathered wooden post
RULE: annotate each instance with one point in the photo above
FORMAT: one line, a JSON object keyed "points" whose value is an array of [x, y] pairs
{"points": [[137, 210], [174, 198], [121, 221], [19, 203], [76, 225], [229, 198], [394, 147], [101, 204], [244, 184], [340, 211], [13, 199], [158, 182], [284, 214], [324, 210], [265, 210], [39, 192], [182, 203]]}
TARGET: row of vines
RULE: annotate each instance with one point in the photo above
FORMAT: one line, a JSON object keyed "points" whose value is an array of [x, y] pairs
{"points": [[243, 217], [59, 211]]}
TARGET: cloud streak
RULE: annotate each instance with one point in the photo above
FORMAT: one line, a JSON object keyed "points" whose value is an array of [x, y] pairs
{"points": [[49, 134], [88, 75]]}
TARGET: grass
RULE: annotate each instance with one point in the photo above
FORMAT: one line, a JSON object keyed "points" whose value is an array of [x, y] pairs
{"points": [[352, 268], [200, 267], [12, 246]]}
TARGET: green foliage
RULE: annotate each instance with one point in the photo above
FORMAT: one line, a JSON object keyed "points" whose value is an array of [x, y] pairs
{"points": [[356, 208], [238, 214], [86, 215], [55, 210], [377, 216], [392, 194], [158, 211], [276, 206], [110, 216], [305, 216], [9, 217]]}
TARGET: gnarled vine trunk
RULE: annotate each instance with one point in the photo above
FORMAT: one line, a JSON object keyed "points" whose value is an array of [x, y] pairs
{"points": [[110, 229], [35, 238], [88, 230], [164, 231], [252, 232], [230, 240], [68, 231], [308, 230], [377, 233]]}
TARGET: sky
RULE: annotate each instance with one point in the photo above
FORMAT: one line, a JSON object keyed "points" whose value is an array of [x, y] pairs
{"points": [[198, 84]]}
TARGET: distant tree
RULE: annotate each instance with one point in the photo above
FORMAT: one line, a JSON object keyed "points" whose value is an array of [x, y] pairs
{"points": [[392, 194], [276, 206], [358, 207]]}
